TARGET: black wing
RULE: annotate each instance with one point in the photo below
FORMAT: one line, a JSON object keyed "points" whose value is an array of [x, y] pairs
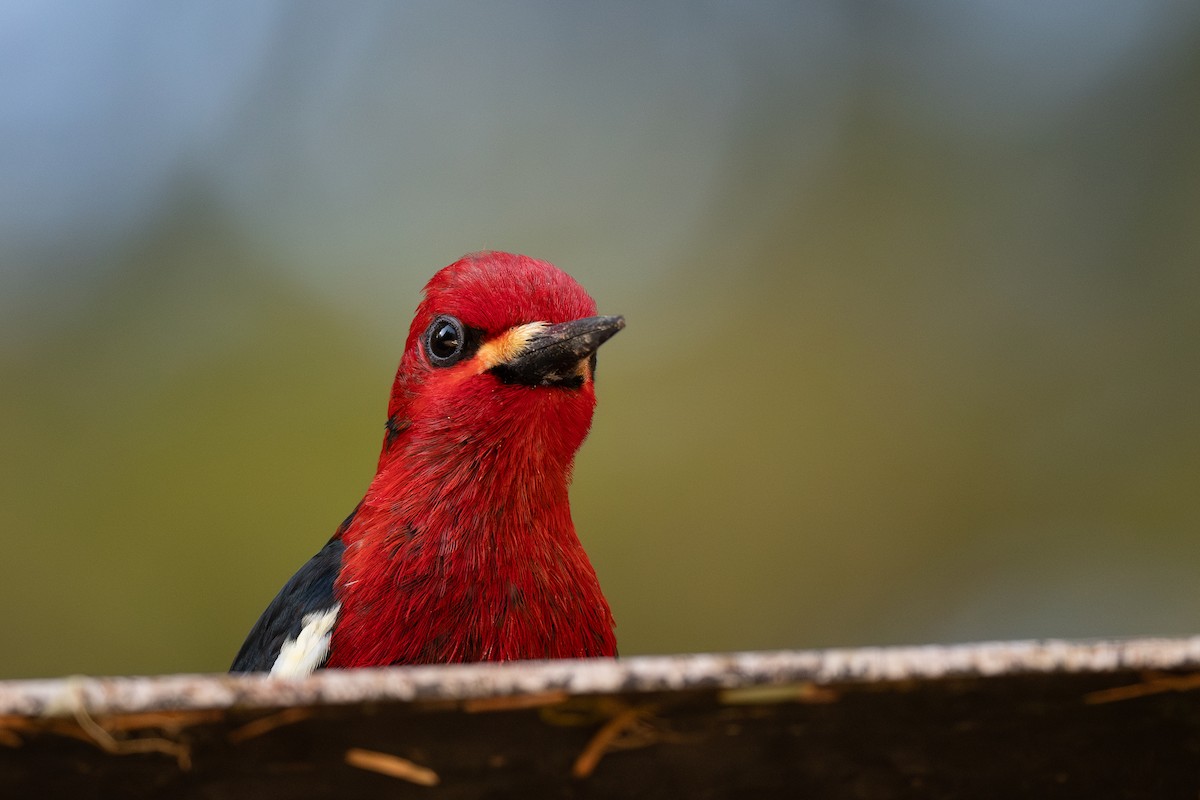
{"points": [[309, 591]]}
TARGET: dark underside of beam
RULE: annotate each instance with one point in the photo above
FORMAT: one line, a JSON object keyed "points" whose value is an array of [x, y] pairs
{"points": [[1097, 733]]}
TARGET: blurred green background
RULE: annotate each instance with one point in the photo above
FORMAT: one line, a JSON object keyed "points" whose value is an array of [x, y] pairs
{"points": [[913, 293]]}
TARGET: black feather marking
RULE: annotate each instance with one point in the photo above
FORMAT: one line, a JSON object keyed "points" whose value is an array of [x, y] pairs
{"points": [[309, 590], [395, 425]]}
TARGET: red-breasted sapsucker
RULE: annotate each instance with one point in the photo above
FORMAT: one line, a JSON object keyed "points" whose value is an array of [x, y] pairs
{"points": [[463, 548]]}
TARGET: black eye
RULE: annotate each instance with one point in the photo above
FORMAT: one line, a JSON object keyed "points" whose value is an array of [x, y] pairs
{"points": [[445, 341]]}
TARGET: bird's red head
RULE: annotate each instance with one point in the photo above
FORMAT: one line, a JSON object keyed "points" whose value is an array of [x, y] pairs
{"points": [[467, 526], [501, 351]]}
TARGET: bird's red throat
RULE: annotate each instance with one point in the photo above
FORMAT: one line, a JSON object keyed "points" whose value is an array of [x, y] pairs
{"points": [[466, 528]]}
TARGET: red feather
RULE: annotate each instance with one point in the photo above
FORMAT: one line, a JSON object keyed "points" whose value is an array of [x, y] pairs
{"points": [[463, 548]]}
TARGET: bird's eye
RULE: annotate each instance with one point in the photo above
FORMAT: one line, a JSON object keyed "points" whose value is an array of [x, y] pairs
{"points": [[445, 341]]}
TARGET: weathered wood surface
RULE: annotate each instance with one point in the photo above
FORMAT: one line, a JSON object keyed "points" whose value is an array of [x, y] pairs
{"points": [[1023, 719]]}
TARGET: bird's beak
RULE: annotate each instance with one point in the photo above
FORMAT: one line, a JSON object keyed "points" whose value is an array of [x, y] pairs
{"points": [[559, 355]]}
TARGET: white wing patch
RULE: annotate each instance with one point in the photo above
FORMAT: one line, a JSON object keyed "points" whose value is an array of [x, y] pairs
{"points": [[300, 656]]}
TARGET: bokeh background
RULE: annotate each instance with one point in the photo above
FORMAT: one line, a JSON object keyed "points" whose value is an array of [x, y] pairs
{"points": [[913, 294]]}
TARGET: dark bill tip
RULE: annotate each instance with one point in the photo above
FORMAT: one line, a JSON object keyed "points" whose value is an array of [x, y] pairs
{"points": [[556, 355]]}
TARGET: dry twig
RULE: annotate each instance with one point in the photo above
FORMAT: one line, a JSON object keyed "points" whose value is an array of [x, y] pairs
{"points": [[1154, 683], [392, 766], [607, 737], [264, 725]]}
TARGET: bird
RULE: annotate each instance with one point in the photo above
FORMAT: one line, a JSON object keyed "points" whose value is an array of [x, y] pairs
{"points": [[463, 548]]}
